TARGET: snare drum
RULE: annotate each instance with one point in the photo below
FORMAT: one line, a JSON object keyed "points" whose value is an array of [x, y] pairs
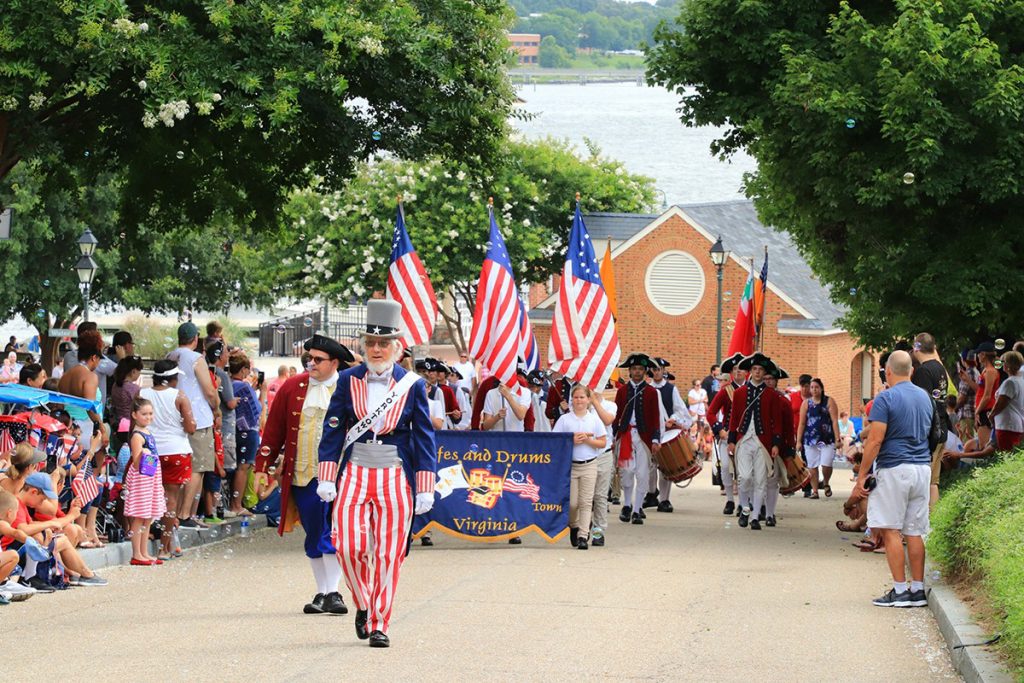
{"points": [[797, 474], [676, 458]]}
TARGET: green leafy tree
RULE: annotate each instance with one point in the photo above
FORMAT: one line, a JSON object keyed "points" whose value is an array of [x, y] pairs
{"points": [[342, 242], [888, 138], [206, 106], [551, 55]]}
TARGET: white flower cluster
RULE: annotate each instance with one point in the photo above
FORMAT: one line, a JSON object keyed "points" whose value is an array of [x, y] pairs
{"points": [[36, 100], [149, 120], [316, 265], [172, 110], [8, 103], [371, 46], [127, 27], [204, 108]]}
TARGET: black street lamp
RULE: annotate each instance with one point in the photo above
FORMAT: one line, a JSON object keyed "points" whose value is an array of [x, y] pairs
{"points": [[86, 267], [719, 256]]}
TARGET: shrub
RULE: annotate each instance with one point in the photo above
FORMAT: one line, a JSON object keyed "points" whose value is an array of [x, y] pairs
{"points": [[978, 535]]}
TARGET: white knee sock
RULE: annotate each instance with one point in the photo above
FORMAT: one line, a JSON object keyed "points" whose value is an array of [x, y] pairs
{"points": [[626, 481], [318, 574], [30, 568], [772, 499], [331, 572]]}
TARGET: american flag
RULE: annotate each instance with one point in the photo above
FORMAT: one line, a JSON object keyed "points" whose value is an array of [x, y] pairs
{"points": [[84, 486], [6, 442], [515, 483], [529, 350], [409, 285], [497, 335], [584, 345]]}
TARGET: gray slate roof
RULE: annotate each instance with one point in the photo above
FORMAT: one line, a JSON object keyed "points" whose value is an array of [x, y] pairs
{"points": [[745, 236]]}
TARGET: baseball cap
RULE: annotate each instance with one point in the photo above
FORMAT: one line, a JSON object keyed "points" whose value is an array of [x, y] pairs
{"points": [[187, 331], [986, 347], [41, 481]]}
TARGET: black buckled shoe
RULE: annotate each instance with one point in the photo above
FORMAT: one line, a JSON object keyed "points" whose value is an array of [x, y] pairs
{"points": [[770, 521], [379, 639], [515, 541], [755, 525], [730, 507], [637, 519], [761, 516], [744, 518], [316, 606], [426, 540], [334, 604], [650, 500], [582, 544], [361, 617], [643, 515], [574, 535], [624, 513], [665, 506]]}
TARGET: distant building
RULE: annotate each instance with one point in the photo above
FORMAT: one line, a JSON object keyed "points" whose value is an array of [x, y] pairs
{"points": [[666, 288], [526, 46]]}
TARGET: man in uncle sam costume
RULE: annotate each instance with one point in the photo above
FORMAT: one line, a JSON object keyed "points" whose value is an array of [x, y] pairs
{"points": [[378, 426], [294, 426]]}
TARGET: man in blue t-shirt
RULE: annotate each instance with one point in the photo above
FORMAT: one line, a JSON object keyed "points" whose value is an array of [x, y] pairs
{"points": [[897, 448]]}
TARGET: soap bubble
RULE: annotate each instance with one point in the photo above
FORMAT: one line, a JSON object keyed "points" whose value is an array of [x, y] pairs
{"points": [[488, 244], [333, 422], [213, 532], [936, 393], [850, 123], [1000, 344], [936, 575], [376, 135], [302, 236], [281, 328], [473, 448], [908, 178], [998, 364], [168, 340], [917, 346], [228, 554], [853, 291], [41, 312], [307, 321], [46, 283], [180, 154]]}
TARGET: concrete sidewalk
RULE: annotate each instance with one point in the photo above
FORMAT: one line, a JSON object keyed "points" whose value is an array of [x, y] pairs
{"points": [[687, 596]]}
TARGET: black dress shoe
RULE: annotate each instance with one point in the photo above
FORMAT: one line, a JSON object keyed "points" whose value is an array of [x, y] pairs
{"points": [[643, 515], [574, 535], [637, 519], [334, 604], [744, 518], [770, 521], [582, 544], [316, 606], [361, 632], [739, 510], [730, 507], [624, 513], [665, 506], [614, 500], [426, 540], [379, 639], [755, 525], [762, 515], [650, 500], [597, 541], [515, 541]]}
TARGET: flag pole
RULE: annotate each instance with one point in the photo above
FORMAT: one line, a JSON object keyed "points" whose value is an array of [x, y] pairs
{"points": [[764, 308]]}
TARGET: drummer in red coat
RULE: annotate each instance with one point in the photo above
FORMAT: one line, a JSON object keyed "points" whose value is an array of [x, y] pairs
{"points": [[294, 427], [637, 431], [755, 435], [718, 416], [773, 373]]}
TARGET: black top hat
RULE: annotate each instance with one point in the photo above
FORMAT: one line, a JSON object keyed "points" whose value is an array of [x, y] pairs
{"points": [[730, 363], [662, 362], [637, 359], [756, 358], [335, 350]]}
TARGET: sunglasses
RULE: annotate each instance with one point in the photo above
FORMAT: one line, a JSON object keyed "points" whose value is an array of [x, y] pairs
{"points": [[314, 360]]}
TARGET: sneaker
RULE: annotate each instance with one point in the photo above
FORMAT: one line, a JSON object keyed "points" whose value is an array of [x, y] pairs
{"points": [[94, 580], [38, 584], [893, 599], [598, 542], [17, 592], [5, 598], [190, 523], [208, 520], [917, 599]]}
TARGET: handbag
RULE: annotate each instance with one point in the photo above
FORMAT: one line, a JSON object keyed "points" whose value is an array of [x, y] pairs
{"points": [[148, 464]]}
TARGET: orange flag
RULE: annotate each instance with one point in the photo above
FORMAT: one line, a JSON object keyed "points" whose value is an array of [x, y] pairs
{"points": [[608, 282]]}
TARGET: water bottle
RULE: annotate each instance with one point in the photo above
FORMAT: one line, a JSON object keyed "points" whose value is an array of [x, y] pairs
{"points": [[244, 528]]}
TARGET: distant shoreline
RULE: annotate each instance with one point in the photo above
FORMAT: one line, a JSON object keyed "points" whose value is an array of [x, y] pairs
{"points": [[574, 75]]}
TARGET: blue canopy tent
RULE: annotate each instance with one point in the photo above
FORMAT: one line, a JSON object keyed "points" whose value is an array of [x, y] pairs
{"points": [[40, 398]]}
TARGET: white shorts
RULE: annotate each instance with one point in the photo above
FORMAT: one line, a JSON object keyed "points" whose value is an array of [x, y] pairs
{"points": [[819, 455], [900, 500]]}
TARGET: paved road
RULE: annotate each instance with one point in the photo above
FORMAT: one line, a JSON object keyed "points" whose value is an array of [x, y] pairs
{"points": [[688, 596]]}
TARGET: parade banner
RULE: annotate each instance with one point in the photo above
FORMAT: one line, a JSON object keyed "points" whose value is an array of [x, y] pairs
{"points": [[493, 486]]}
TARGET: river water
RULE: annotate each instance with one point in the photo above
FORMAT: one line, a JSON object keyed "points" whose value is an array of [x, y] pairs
{"points": [[639, 126]]}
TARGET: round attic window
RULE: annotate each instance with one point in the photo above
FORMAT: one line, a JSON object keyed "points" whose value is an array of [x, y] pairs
{"points": [[674, 282]]}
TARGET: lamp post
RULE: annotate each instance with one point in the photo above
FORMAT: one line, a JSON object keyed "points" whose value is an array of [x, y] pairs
{"points": [[664, 198], [6, 218], [86, 267], [719, 256]]}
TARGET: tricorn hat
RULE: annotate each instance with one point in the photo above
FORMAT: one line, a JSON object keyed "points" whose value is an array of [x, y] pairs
{"points": [[334, 349], [637, 359], [661, 362], [383, 319], [730, 363], [756, 358]]}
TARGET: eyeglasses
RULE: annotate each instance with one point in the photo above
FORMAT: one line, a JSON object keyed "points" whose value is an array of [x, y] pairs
{"points": [[315, 360], [379, 343]]}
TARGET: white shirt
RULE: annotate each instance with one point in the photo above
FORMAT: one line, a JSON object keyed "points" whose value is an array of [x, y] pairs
{"points": [[189, 385], [494, 402], [680, 413], [589, 423], [541, 423], [1011, 418], [698, 402], [375, 392], [466, 406], [609, 407], [436, 411], [468, 372]]}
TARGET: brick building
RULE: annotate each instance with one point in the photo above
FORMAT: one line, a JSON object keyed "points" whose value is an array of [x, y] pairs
{"points": [[666, 286], [526, 46]]}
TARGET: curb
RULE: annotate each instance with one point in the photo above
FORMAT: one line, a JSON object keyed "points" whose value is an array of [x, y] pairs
{"points": [[117, 554], [977, 664]]}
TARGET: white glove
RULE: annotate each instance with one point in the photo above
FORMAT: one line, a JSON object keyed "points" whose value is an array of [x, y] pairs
{"points": [[424, 502], [327, 490]]}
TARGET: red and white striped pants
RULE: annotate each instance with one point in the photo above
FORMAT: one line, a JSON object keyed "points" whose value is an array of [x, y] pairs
{"points": [[372, 518]]}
